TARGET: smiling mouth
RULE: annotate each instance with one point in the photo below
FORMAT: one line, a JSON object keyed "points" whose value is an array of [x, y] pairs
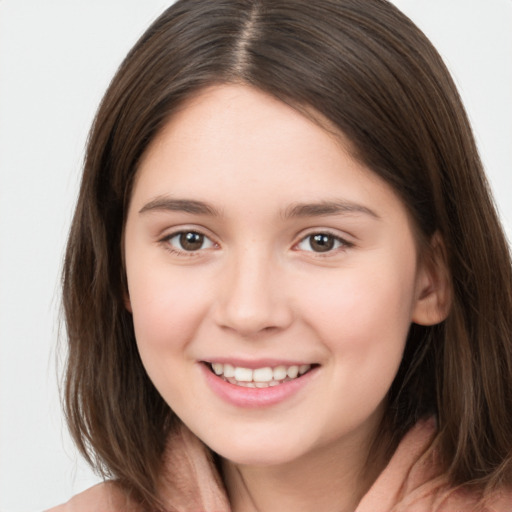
{"points": [[259, 377]]}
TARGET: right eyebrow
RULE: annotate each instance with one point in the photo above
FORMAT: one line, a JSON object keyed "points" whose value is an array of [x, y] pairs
{"points": [[166, 203]]}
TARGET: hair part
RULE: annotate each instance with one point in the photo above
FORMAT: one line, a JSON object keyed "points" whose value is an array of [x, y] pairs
{"points": [[370, 72]]}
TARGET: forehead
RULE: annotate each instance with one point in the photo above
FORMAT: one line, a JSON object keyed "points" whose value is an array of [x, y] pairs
{"points": [[235, 142], [213, 111]]}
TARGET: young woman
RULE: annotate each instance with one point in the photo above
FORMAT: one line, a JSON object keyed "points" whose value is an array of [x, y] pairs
{"points": [[286, 286]]}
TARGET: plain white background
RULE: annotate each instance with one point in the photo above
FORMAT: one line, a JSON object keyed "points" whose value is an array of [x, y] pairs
{"points": [[56, 59]]}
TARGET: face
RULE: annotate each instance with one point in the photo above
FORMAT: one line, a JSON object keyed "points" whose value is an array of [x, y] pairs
{"points": [[272, 278]]}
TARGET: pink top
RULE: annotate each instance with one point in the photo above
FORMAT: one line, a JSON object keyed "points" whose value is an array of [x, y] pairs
{"points": [[192, 484]]}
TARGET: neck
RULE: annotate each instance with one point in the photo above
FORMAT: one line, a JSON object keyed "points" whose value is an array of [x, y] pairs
{"points": [[333, 478]]}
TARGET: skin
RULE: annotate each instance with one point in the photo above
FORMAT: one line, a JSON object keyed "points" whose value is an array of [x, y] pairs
{"points": [[258, 288]]}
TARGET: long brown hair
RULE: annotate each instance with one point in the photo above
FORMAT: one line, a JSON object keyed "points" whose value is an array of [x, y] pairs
{"points": [[372, 73]]}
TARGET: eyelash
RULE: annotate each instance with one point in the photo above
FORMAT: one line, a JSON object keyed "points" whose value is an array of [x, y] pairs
{"points": [[338, 243], [341, 243], [184, 252]]}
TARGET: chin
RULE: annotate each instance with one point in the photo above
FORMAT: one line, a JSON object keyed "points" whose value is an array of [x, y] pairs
{"points": [[259, 450]]}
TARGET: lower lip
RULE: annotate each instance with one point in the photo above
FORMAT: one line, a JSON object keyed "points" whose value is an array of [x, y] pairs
{"points": [[255, 397]]}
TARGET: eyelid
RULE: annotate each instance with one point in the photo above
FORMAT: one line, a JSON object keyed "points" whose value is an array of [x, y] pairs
{"points": [[177, 231], [344, 242]]}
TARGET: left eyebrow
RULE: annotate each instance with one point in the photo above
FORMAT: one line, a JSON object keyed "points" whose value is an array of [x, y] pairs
{"points": [[327, 208]]}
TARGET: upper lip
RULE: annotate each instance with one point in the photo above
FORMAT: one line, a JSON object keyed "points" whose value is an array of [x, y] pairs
{"points": [[256, 363]]}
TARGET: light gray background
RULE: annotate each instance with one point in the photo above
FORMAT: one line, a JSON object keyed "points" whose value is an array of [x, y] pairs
{"points": [[56, 59]]}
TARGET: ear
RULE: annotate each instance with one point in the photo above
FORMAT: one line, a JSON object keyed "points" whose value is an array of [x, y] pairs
{"points": [[434, 289]]}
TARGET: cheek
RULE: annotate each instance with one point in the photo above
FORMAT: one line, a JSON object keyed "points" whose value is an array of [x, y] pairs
{"points": [[363, 321], [363, 317], [167, 309], [361, 301]]}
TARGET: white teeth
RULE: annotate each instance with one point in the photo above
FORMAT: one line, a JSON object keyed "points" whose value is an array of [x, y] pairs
{"points": [[260, 377], [243, 374], [218, 368], [292, 372], [303, 368], [229, 371], [280, 372], [263, 374]]}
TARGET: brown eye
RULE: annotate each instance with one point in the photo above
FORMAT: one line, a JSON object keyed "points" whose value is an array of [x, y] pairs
{"points": [[189, 241], [321, 242]]}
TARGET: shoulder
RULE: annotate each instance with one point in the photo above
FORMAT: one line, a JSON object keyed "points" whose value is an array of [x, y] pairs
{"points": [[104, 497]]}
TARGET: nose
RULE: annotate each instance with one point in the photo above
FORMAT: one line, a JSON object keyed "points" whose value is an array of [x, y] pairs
{"points": [[252, 296]]}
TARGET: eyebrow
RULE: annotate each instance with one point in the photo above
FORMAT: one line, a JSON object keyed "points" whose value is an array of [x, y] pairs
{"points": [[319, 209], [165, 203], [327, 208]]}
